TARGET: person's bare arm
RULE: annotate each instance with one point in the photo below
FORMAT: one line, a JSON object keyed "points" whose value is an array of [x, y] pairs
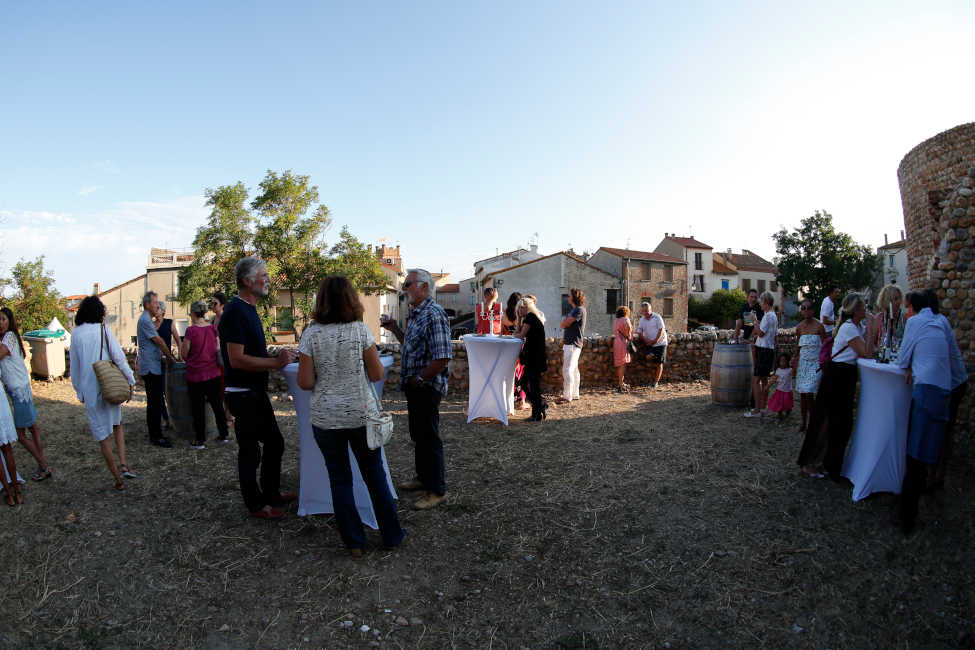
{"points": [[374, 367], [179, 343], [394, 328], [306, 372], [184, 348], [3, 351], [163, 348], [240, 361], [567, 322], [433, 369]]}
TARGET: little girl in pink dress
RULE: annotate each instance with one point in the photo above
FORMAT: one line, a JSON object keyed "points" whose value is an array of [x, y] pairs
{"points": [[781, 401]]}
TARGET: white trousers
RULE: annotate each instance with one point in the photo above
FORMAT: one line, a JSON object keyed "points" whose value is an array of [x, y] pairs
{"points": [[570, 371]]}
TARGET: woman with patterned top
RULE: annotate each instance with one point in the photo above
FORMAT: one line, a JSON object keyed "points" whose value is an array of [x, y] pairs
{"points": [[17, 383], [336, 355], [811, 335]]}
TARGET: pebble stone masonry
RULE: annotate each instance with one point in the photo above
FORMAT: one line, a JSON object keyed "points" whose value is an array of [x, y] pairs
{"points": [[937, 182]]}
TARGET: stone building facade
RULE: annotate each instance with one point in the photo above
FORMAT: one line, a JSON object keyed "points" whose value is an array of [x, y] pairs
{"points": [[937, 183], [644, 274]]}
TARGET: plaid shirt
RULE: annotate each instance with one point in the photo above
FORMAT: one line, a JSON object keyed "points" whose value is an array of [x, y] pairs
{"points": [[427, 338]]}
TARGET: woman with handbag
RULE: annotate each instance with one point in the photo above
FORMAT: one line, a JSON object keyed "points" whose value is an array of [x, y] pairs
{"points": [[831, 421], [622, 335], [99, 373], [338, 361], [199, 348]]}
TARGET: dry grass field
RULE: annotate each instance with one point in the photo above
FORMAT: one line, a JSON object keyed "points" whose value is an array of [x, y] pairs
{"points": [[651, 519]]}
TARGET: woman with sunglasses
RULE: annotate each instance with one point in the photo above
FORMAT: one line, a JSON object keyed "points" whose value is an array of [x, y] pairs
{"points": [[810, 333]]}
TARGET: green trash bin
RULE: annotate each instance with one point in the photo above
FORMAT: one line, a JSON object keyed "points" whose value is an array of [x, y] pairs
{"points": [[47, 353]]}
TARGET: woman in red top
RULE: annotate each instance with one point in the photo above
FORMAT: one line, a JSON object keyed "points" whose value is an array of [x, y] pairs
{"points": [[488, 313], [199, 348]]}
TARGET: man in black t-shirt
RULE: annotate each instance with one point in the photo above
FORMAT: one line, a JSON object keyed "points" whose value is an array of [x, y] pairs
{"points": [[246, 366], [749, 315]]}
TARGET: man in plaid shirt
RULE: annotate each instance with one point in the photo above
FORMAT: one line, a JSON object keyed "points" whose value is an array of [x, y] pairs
{"points": [[423, 377]]}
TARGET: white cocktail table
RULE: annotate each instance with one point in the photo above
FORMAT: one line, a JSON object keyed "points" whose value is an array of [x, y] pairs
{"points": [[491, 361]]}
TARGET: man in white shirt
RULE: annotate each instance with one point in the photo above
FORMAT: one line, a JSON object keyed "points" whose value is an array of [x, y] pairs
{"points": [[924, 355], [827, 313], [653, 335], [764, 362]]}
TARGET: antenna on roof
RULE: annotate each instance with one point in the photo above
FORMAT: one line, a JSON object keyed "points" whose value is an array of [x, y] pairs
{"points": [[627, 243]]}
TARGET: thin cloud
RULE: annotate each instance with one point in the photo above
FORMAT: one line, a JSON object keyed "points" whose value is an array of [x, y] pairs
{"points": [[89, 189]]}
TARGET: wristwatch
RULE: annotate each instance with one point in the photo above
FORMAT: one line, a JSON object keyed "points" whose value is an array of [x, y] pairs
{"points": [[420, 381]]}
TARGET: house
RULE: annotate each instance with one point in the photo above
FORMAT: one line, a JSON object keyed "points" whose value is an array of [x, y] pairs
{"points": [[722, 275], [699, 262], [753, 272], [642, 275], [501, 261], [894, 262], [549, 278]]}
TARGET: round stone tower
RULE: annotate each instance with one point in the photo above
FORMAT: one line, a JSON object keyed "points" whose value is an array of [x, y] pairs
{"points": [[937, 181]]}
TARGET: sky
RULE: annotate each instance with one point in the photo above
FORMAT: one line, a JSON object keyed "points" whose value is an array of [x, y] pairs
{"points": [[460, 129]]}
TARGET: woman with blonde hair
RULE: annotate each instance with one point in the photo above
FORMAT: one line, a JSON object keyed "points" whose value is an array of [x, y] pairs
{"points": [[831, 422], [532, 332]]}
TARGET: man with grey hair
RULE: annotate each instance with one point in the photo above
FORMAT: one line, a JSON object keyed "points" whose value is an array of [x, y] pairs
{"points": [[152, 349], [423, 377], [247, 363], [652, 333]]}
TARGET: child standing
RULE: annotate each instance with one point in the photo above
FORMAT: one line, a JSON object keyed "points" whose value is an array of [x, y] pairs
{"points": [[781, 401]]}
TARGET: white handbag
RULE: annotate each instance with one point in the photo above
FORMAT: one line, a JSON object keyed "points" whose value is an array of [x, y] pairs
{"points": [[379, 425]]}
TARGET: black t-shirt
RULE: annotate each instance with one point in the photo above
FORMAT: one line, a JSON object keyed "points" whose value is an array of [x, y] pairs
{"points": [[747, 329], [241, 324], [533, 354], [166, 331]]}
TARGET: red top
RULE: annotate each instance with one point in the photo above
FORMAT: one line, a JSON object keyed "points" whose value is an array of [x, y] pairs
{"points": [[201, 362], [489, 322]]}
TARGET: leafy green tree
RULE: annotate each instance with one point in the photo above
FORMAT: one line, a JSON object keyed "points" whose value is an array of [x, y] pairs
{"points": [[722, 306], [36, 301], [815, 256]]}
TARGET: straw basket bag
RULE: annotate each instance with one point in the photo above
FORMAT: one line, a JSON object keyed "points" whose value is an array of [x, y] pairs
{"points": [[379, 425], [111, 381]]}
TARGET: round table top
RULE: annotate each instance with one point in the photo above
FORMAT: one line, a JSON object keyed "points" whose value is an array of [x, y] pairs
{"points": [[871, 364], [491, 339], [292, 368]]}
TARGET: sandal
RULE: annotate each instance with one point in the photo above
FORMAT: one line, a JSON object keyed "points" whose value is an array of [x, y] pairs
{"points": [[41, 474], [126, 472], [18, 495], [11, 501], [119, 486]]}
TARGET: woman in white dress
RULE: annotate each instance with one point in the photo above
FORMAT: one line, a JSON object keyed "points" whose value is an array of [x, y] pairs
{"points": [[811, 335], [90, 341], [8, 436]]}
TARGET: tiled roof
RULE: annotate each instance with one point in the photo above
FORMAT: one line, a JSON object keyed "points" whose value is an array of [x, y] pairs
{"points": [[893, 244], [722, 269], [751, 262], [449, 288], [687, 242], [628, 254], [77, 296], [572, 257]]}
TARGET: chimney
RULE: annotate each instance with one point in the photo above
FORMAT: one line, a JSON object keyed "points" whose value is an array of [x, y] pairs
{"points": [[534, 248], [94, 290], [902, 236], [885, 239]]}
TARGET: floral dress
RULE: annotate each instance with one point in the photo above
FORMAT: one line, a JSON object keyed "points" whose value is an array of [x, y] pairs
{"points": [[807, 375]]}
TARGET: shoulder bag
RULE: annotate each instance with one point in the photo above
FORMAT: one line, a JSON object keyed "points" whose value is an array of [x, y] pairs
{"points": [[379, 425], [111, 382]]}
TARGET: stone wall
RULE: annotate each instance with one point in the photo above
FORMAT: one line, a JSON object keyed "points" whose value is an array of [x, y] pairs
{"points": [[688, 358], [937, 181]]}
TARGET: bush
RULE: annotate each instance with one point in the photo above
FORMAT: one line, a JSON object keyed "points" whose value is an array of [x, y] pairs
{"points": [[722, 306]]}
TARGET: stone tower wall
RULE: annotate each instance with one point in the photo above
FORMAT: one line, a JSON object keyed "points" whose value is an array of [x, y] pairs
{"points": [[937, 182]]}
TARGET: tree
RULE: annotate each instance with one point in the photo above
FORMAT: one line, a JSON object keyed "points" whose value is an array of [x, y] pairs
{"points": [[814, 257], [722, 306], [36, 301], [277, 227]]}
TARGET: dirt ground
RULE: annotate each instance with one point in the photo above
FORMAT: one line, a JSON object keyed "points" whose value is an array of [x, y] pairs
{"points": [[651, 519]]}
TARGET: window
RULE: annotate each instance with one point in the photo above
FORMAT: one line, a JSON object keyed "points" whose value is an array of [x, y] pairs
{"points": [[668, 306], [698, 262], [565, 304], [773, 286], [891, 258], [698, 283], [746, 285], [668, 273], [761, 286], [645, 270], [724, 285], [612, 300]]}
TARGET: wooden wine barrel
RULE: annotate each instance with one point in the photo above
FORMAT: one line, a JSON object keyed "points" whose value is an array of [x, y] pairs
{"points": [[731, 374], [178, 401]]}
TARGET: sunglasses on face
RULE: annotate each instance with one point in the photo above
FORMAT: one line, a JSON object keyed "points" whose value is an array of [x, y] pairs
{"points": [[407, 284]]}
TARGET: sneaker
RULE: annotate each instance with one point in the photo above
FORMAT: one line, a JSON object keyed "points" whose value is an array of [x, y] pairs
{"points": [[429, 500], [161, 442], [199, 446], [752, 414], [412, 485], [223, 441]]}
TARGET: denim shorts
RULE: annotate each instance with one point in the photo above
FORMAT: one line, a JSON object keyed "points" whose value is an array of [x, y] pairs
{"points": [[25, 415]]}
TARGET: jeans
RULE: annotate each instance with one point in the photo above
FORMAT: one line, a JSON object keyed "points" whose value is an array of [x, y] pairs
{"points": [[154, 404], [423, 409], [200, 393], [334, 444], [256, 426], [570, 371]]}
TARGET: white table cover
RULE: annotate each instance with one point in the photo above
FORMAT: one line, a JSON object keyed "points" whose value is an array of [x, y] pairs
{"points": [[875, 461], [491, 361], [314, 491]]}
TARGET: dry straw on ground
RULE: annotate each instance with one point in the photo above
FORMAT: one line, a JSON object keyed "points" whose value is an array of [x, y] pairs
{"points": [[632, 520]]}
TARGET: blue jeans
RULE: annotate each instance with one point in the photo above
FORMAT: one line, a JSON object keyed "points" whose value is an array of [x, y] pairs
{"points": [[334, 444]]}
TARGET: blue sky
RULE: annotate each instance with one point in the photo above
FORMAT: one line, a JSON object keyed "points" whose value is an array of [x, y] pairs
{"points": [[455, 129]]}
